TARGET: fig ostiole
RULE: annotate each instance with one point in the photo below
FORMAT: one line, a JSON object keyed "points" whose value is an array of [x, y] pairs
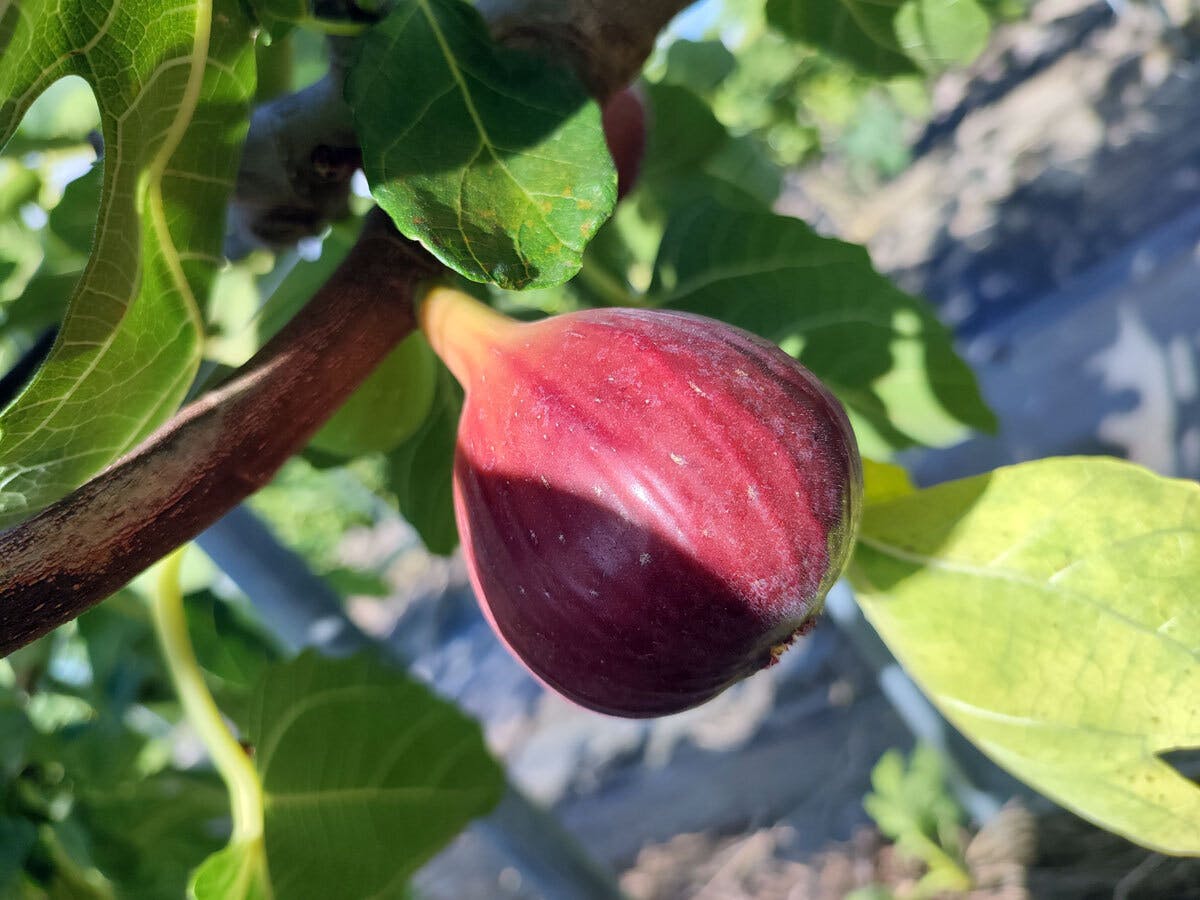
{"points": [[652, 504]]}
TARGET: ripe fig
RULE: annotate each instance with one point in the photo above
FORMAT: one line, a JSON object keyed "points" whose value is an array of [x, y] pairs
{"points": [[624, 120], [652, 504]]}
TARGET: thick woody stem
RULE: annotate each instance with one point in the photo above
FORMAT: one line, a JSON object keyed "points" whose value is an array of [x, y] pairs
{"points": [[607, 41], [215, 452], [220, 449]]}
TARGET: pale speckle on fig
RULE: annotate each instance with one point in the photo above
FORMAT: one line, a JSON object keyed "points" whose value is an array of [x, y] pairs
{"points": [[700, 542]]}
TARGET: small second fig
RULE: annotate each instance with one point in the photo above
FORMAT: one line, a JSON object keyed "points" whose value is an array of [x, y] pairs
{"points": [[624, 118], [652, 504]]}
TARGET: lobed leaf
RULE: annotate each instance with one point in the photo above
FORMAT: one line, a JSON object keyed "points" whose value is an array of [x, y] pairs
{"points": [[882, 351], [172, 81], [1049, 610], [494, 160], [365, 773]]}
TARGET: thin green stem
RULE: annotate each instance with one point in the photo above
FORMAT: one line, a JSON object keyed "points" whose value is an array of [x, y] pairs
{"points": [[607, 287], [334, 27], [230, 760]]}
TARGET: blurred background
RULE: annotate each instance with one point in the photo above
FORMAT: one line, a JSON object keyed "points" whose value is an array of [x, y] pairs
{"points": [[1045, 198]]}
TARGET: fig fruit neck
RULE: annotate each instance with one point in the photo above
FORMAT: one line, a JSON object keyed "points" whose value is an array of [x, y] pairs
{"points": [[462, 330]]}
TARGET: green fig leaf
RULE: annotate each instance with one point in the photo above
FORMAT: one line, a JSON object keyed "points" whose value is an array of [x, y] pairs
{"points": [[941, 33], [1049, 611], [18, 186], [173, 102], [17, 840], [882, 351], [421, 470], [699, 65], [388, 408], [676, 110], [884, 38], [494, 160], [147, 834], [861, 32], [228, 644], [365, 773]]}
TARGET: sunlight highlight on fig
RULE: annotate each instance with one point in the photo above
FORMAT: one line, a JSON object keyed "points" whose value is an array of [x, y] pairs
{"points": [[652, 504]]}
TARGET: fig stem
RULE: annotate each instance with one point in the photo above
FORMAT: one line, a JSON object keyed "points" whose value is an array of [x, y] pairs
{"points": [[461, 329], [230, 760]]}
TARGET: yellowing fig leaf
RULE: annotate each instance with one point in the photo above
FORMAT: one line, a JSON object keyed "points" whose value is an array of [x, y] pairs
{"points": [[884, 481], [1051, 611]]}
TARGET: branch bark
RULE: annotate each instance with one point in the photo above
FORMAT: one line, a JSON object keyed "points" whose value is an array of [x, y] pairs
{"points": [[607, 41], [216, 451], [222, 448]]}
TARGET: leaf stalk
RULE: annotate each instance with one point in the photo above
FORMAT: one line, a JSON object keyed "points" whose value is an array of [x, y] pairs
{"points": [[231, 761]]}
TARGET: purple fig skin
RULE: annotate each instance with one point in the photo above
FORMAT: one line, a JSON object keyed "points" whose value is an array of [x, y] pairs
{"points": [[624, 120], [652, 504]]}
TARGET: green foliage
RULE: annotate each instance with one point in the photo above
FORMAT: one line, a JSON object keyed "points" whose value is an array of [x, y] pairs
{"points": [[884, 481], [494, 160], [863, 34], [1044, 608], [678, 110], [700, 66], [1047, 609], [938, 33], [90, 805], [388, 408], [230, 647], [912, 807], [238, 872], [420, 470], [310, 509], [882, 351], [887, 38], [173, 112], [408, 772]]}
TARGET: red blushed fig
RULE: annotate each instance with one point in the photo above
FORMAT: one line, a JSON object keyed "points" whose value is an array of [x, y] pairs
{"points": [[624, 120], [652, 504]]}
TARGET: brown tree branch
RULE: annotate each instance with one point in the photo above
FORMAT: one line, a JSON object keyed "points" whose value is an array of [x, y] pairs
{"points": [[216, 451], [607, 41], [220, 449]]}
